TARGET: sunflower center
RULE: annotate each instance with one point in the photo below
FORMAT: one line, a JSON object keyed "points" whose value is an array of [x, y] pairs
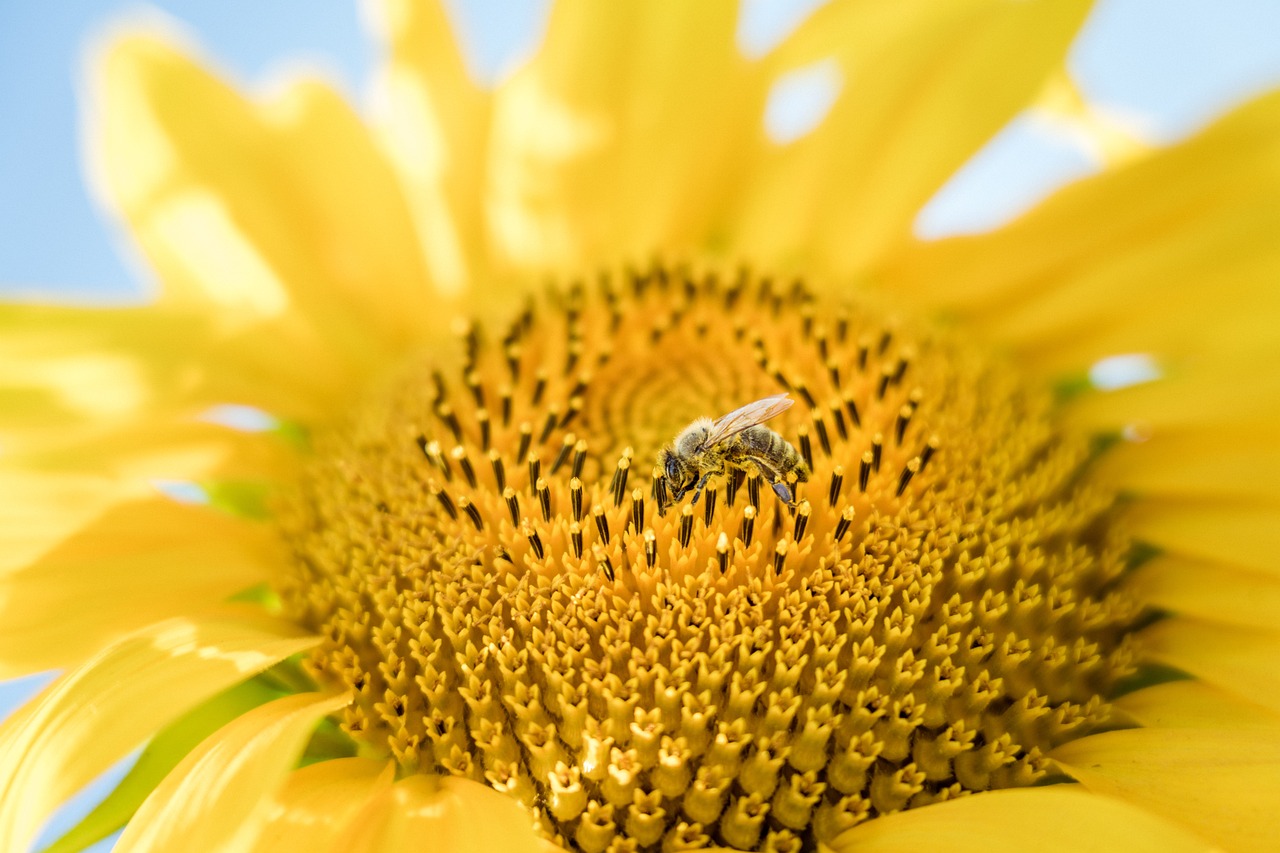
{"points": [[506, 583]]}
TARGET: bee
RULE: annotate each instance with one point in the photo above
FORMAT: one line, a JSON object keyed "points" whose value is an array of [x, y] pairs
{"points": [[735, 441]]}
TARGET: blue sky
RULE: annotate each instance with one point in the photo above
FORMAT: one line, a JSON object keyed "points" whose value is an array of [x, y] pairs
{"points": [[1168, 65]]}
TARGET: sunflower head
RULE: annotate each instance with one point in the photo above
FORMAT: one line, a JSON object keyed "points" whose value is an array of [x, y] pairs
{"points": [[518, 591]]}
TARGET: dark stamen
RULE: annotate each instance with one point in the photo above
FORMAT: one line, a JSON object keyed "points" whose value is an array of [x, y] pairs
{"points": [[837, 415], [443, 497], [779, 556], [575, 539], [806, 447], [535, 468], [900, 425], [824, 441], [539, 387], [842, 526], [472, 513], [602, 523], [544, 498], [459, 455], [802, 522], [549, 425], [619, 485], [837, 483], [526, 439], [907, 473], [575, 498], [513, 504], [506, 405], [565, 447], [731, 490]]}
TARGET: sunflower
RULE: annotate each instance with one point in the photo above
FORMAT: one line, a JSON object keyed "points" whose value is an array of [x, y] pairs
{"points": [[438, 591]]}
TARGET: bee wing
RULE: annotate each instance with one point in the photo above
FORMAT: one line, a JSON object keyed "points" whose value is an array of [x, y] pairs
{"points": [[748, 416]]}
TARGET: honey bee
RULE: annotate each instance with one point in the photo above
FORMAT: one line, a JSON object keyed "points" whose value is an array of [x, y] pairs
{"points": [[735, 441]]}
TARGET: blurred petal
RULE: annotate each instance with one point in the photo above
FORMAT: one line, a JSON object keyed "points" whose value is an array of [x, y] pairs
{"points": [[1055, 818], [1243, 533], [156, 558], [434, 120], [318, 801], [283, 212], [1220, 784], [42, 509], [1189, 242], [219, 797], [1214, 396], [1239, 660], [66, 365], [1194, 705], [614, 141], [163, 752], [94, 715], [1225, 461], [906, 120], [430, 813], [1210, 591]]}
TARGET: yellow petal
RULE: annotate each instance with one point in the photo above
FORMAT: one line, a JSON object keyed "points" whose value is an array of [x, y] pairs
{"points": [[1056, 818], [1198, 463], [434, 120], [432, 813], [905, 121], [1209, 590], [1243, 533], [150, 559], [1188, 243], [103, 366], [1193, 704], [1239, 660], [219, 797], [619, 134], [1204, 396], [94, 715], [69, 363], [317, 801], [42, 509], [284, 211], [1220, 784]]}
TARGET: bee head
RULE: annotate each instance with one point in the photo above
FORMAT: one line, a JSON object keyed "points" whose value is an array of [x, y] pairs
{"points": [[680, 476]]}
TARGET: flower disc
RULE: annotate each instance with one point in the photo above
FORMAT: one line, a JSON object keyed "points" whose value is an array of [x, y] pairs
{"points": [[505, 584]]}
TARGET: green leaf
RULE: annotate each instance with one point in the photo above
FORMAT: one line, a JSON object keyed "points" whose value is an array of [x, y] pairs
{"points": [[245, 498], [160, 756]]}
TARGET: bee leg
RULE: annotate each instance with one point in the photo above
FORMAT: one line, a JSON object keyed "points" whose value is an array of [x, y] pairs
{"points": [[775, 482], [697, 491]]}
